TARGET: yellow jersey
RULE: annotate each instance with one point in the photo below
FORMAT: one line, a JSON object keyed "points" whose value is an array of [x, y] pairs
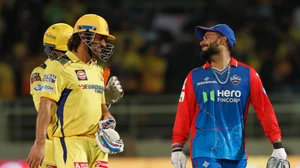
{"points": [[78, 89], [36, 86]]}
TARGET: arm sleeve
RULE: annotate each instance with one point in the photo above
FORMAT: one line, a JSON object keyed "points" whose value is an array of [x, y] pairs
{"points": [[263, 107], [36, 86], [53, 81], [185, 112]]}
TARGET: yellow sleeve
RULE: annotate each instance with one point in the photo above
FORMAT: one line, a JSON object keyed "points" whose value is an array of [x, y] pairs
{"points": [[53, 81], [36, 85], [104, 74]]}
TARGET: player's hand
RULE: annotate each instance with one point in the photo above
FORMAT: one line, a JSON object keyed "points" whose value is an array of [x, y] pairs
{"points": [[113, 91], [107, 123], [277, 158], [36, 155], [178, 159], [279, 153]]}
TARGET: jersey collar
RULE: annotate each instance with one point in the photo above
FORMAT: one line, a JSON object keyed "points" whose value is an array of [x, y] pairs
{"points": [[234, 62], [47, 61], [72, 56]]}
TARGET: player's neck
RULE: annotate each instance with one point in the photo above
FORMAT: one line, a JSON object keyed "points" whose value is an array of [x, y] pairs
{"points": [[82, 55], [221, 60]]}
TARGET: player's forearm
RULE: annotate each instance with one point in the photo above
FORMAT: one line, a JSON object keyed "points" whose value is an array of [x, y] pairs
{"points": [[43, 119], [105, 113]]}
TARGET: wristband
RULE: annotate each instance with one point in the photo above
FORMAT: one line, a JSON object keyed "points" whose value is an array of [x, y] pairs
{"points": [[277, 145], [176, 150], [177, 147]]}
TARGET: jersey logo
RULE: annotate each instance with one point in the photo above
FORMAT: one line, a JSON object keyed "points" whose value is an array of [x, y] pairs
{"points": [[102, 164], [235, 79], [49, 78], [38, 87], [207, 81], [81, 164], [35, 77], [211, 96], [223, 96], [205, 164], [81, 75]]}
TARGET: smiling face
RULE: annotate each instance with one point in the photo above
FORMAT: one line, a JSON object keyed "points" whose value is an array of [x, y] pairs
{"points": [[210, 44], [97, 45]]}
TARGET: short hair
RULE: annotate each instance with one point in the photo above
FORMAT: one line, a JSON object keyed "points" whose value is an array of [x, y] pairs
{"points": [[74, 42], [230, 48]]}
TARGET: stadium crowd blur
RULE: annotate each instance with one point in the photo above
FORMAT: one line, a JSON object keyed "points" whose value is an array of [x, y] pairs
{"points": [[156, 46]]}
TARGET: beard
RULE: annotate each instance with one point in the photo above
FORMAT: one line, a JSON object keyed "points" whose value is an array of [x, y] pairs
{"points": [[210, 51]]}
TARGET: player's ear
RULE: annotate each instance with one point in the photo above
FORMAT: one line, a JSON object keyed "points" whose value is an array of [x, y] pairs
{"points": [[223, 40]]}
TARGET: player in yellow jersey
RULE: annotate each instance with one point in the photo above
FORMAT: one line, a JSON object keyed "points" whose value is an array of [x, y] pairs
{"points": [[56, 48], [55, 45]]}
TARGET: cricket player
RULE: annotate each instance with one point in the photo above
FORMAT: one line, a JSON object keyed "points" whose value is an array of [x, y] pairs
{"points": [[55, 45], [75, 83], [213, 107]]}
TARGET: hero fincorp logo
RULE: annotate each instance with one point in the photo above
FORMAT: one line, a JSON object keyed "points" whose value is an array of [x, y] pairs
{"points": [[226, 96]]}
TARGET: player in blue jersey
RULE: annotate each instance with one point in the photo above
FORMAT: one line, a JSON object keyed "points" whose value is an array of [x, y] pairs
{"points": [[213, 107]]}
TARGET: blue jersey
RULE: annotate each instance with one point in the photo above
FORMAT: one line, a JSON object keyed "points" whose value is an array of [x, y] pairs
{"points": [[213, 107]]}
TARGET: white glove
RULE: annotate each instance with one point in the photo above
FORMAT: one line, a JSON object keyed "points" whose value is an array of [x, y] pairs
{"points": [[113, 90], [107, 123], [178, 159], [279, 153]]}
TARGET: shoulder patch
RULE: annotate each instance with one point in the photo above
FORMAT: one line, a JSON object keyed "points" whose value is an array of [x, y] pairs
{"points": [[43, 66], [35, 77], [63, 59]]}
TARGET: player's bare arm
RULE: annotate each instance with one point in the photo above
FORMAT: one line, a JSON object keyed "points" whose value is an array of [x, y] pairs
{"points": [[37, 152], [105, 113]]}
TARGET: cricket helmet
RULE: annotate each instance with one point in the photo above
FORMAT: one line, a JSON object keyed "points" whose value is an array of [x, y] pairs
{"points": [[57, 36], [93, 23]]}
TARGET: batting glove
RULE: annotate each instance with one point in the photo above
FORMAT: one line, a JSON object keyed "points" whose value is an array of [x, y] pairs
{"points": [[113, 90], [107, 123]]}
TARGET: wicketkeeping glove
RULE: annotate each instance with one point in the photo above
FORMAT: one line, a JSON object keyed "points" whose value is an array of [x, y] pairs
{"points": [[278, 157], [113, 90], [178, 159]]}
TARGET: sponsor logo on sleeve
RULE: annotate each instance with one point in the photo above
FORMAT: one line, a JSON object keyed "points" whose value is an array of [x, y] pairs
{"points": [[183, 87], [81, 75], [181, 98], [38, 87], [49, 78], [47, 88], [35, 77]]}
